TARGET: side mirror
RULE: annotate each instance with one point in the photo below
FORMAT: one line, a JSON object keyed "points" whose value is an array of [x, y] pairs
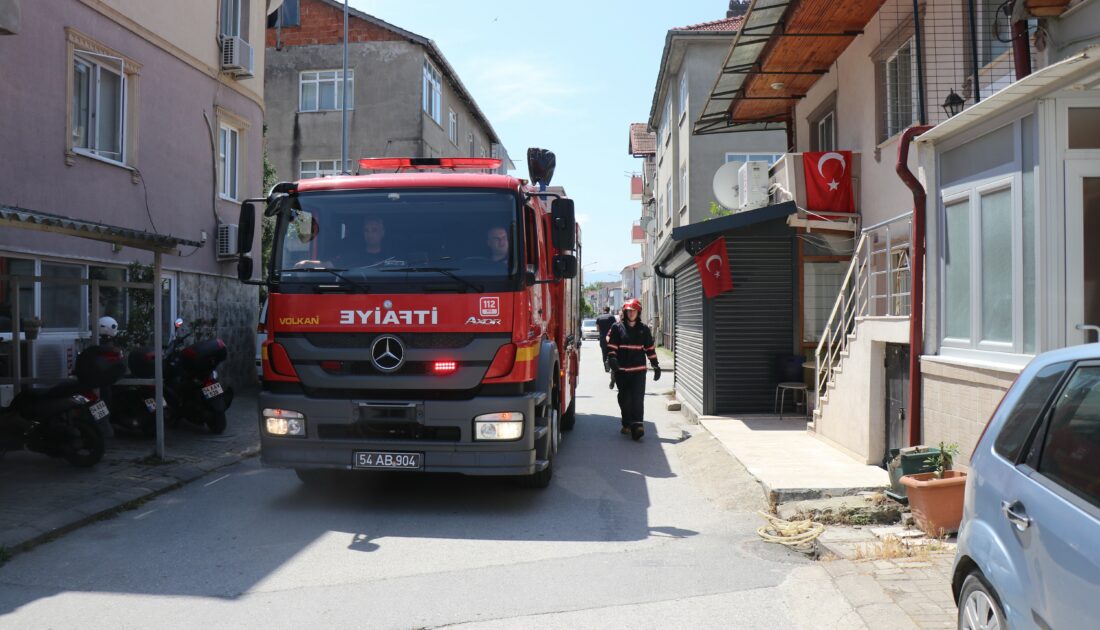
{"points": [[564, 234], [244, 268], [246, 228], [565, 266]]}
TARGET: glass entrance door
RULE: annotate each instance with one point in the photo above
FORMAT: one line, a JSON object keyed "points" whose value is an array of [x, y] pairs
{"points": [[1082, 250]]}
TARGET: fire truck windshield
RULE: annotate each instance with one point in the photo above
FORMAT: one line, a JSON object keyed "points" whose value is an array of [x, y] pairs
{"points": [[399, 240]]}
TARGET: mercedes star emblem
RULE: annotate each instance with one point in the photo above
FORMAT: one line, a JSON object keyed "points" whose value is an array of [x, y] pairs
{"points": [[387, 353]]}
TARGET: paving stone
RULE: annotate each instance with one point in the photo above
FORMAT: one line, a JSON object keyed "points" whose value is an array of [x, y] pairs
{"points": [[886, 616], [837, 568], [861, 590]]}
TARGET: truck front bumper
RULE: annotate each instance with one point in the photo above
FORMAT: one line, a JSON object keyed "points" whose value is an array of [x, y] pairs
{"points": [[326, 418]]}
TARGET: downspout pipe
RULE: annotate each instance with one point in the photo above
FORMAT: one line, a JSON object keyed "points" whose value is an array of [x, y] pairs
{"points": [[916, 267], [1021, 49]]}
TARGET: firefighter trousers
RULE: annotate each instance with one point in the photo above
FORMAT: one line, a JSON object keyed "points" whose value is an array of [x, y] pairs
{"points": [[631, 396]]}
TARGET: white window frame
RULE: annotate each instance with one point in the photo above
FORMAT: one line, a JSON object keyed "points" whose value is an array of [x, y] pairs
{"points": [[975, 346], [683, 97], [684, 193], [433, 93], [229, 23], [893, 121], [666, 121], [229, 163], [308, 169], [96, 67], [321, 79], [452, 126], [771, 158], [828, 121], [671, 202]]}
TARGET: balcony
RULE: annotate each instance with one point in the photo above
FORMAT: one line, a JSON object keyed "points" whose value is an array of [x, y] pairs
{"points": [[788, 183]]}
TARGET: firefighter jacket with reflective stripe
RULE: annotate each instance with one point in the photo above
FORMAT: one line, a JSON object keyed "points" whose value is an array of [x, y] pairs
{"points": [[631, 346]]}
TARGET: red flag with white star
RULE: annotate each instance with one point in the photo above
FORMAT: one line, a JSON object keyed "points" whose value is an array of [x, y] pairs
{"points": [[714, 268], [828, 176]]}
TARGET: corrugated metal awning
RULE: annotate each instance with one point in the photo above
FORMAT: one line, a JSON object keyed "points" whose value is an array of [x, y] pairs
{"points": [[783, 48], [1051, 78], [57, 224]]}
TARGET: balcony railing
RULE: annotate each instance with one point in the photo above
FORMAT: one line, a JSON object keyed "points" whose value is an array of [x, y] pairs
{"points": [[877, 284]]}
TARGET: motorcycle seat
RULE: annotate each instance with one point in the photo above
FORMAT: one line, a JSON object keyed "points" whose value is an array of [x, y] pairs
{"points": [[47, 402]]}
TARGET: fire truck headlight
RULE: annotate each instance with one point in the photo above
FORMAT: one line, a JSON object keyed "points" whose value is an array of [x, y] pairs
{"points": [[507, 425], [284, 423]]}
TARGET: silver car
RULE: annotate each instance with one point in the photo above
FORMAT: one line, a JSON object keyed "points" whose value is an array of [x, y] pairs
{"points": [[589, 330], [1029, 545]]}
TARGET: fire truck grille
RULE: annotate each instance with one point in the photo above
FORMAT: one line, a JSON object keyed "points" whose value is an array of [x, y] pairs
{"points": [[412, 340], [404, 431]]}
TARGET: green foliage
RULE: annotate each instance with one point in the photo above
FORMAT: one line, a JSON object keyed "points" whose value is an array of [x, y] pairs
{"points": [[718, 211], [138, 331], [943, 460], [586, 309], [267, 237]]}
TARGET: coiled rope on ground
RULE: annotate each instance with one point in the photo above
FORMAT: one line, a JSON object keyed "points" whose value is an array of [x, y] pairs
{"points": [[799, 535]]}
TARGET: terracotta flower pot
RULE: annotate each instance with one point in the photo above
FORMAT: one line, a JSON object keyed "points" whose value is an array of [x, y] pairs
{"points": [[936, 503]]}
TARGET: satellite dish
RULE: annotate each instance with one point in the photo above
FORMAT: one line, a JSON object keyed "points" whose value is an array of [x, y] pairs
{"points": [[725, 185]]}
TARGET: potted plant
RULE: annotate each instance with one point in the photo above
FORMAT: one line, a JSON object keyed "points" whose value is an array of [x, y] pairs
{"points": [[30, 327], [936, 497]]}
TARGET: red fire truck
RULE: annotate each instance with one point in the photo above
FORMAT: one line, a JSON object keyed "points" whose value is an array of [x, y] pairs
{"points": [[423, 319]]}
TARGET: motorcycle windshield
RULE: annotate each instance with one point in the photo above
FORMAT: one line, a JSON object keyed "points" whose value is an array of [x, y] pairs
{"points": [[399, 241]]}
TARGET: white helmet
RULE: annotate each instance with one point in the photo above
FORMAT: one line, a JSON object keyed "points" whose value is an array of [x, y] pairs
{"points": [[108, 327]]}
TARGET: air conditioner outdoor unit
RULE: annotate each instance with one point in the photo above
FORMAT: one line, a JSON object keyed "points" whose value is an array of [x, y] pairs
{"points": [[54, 359], [237, 56], [225, 245], [752, 185]]}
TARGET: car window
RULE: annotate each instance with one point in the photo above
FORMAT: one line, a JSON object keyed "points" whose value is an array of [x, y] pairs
{"points": [[1071, 450], [589, 322], [1025, 415]]}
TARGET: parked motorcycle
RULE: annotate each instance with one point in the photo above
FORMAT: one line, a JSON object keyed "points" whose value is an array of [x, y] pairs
{"points": [[192, 391], [67, 420]]}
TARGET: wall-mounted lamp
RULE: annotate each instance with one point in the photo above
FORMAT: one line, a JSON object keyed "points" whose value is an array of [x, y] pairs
{"points": [[953, 104], [778, 85]]}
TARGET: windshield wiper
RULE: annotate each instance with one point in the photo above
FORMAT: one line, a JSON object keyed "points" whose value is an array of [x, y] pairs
{"points": [[445, 271], [335, 272]]}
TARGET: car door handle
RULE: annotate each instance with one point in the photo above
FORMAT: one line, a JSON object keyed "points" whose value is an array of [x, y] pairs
{"points": [[1016, 514]]}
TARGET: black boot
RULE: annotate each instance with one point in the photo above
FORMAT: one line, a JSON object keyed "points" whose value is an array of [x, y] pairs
{"points": [[637, 430]]}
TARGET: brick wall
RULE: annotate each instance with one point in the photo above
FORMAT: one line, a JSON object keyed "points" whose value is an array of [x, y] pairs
{"points": [[958, 401], [323, 24]]}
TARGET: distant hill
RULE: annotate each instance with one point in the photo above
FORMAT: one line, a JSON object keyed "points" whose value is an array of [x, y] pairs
{"points": [[601, 276]]}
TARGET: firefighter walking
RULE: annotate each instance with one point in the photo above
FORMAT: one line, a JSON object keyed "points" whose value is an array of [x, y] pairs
{"points": [[629, 345]]}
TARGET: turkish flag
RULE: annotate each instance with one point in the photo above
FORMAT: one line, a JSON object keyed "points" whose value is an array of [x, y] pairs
{"points": [[828, 181], [714, 268]]}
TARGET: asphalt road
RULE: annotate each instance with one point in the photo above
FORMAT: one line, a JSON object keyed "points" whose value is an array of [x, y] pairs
{"points": [[659, 533]]}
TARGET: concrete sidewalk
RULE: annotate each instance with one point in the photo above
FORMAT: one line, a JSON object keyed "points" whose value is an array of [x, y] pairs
{"points": [[790, 463], [43, 497]]}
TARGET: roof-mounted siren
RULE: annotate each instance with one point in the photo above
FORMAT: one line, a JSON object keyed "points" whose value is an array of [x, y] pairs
{"points": [[540, 166]]}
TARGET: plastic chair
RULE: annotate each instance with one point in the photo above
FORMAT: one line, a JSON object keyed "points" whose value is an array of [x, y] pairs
{"points": [[781, 396]]}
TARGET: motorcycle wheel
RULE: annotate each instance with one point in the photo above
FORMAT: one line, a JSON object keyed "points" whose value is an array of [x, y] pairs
{"points": [[215, 420], [91, 446]]}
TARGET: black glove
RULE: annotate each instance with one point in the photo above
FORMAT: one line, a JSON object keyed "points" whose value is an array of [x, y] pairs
{"points": [[656, 372], [613, 363]]}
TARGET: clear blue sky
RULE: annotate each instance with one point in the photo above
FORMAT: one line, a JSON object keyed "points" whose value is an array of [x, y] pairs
{"points": [[569, 76]]}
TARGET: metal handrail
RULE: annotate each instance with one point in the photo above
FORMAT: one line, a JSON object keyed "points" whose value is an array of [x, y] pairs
{"points": [[860, 294]]}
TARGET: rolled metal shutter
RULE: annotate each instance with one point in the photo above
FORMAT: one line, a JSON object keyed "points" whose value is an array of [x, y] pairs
{"points": [[753, 324], [689, 337]]}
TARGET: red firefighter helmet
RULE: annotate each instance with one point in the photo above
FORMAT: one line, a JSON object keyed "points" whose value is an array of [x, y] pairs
{"points": [[634, 305]]}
